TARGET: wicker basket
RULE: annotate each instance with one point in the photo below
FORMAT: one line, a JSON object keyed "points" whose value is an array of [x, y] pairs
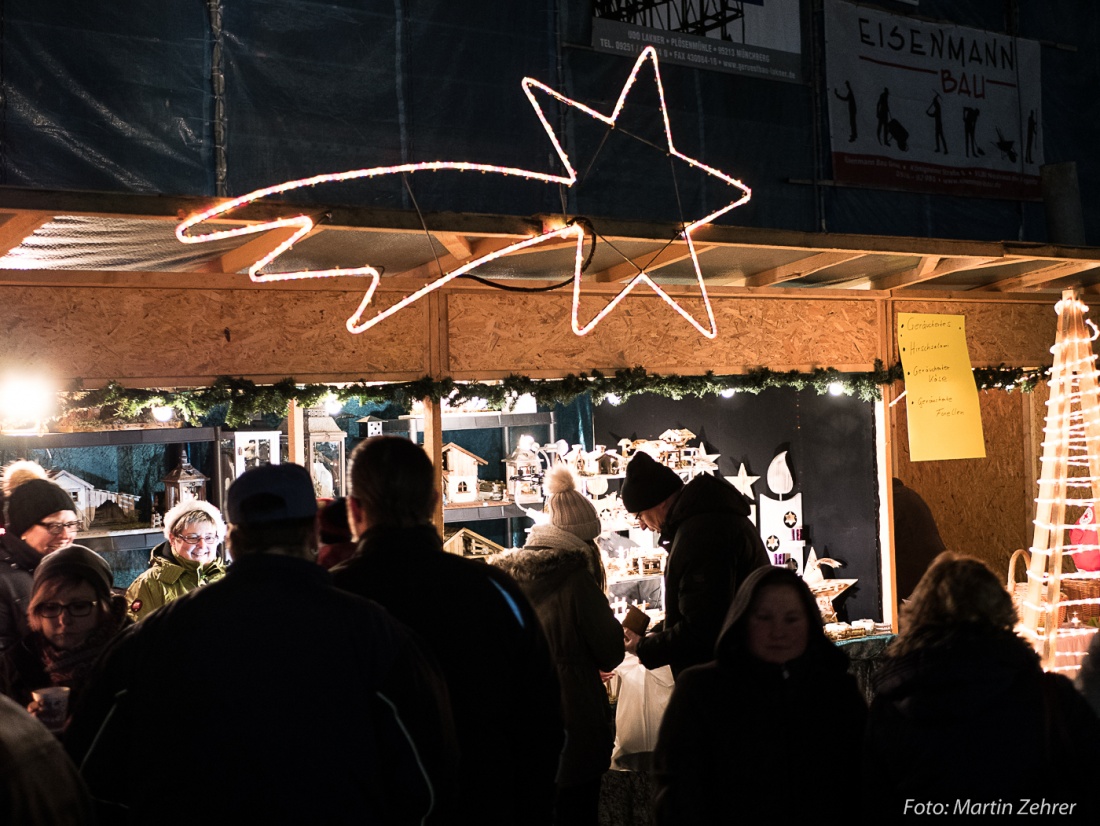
{"points": [[1018, 590], [1082, 589]]}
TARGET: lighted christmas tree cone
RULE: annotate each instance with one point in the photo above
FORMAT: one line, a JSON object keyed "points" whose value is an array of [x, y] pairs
{"points": [[1061, 595]]}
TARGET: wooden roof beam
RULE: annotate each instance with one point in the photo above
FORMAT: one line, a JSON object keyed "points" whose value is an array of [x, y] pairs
{"points": [[457, 245], [1038, 278], [649, 261], [19, 227], [251, 251], [449, 262], [932, 267], [800, 268]]}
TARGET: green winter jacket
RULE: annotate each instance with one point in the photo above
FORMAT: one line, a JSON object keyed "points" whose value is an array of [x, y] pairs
{"points": [[167, 579]]}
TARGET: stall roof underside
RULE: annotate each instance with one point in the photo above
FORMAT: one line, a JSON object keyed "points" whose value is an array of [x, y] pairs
{"points": [[64, 232]]}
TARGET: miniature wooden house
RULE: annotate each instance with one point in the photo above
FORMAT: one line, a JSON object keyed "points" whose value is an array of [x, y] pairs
{"points": [[369, 426], [465, 542], [610, 463], [524, 475], [81, 491], [460, 474], [183, 482]]}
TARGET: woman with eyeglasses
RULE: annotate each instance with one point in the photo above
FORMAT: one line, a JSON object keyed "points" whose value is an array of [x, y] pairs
{"points": [[72, 616], [187, 559], [39, 518]]}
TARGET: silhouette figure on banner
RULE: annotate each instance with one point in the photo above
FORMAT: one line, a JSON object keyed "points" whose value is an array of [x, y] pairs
{"points": [[882, 113], [1032, 125], [935, 111], [1007, 147], [850, 99], [970, 124]]}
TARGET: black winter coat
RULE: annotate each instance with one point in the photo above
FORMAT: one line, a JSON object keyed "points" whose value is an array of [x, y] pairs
{"points": [[17, 563], [493, 654], [554, 571], [740, 734], [712, 547], [971, 715]]}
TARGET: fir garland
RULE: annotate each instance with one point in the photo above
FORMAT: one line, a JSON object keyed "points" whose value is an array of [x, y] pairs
{"points": [[244, 401]]}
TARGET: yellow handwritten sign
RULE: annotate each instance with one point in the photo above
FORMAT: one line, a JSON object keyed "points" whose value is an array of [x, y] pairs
{"points": [[945, 419]]}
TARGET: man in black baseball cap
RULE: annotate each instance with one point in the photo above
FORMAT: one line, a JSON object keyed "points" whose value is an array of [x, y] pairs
{"points": [[712, 546], [264, 686]]}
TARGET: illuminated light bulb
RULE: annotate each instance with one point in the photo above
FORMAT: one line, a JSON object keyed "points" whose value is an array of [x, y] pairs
{"points": [[729, 392], [25, 399], [332, 404], [836, 388], [356, 323], [162, 413], [612, 399]]}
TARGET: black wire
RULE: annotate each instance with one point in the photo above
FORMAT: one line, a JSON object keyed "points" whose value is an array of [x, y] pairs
{"points": [[589, 231], [423, 223]]}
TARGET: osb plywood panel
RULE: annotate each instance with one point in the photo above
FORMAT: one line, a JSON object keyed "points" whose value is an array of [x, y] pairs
{"points": [[129, 334], [1019, 334], [981, 505], [490, 333]]}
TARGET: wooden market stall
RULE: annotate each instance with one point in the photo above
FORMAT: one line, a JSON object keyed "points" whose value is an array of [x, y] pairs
{"points": [[133, 305]]}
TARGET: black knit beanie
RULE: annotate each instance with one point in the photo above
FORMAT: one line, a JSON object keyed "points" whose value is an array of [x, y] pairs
{"points": [[34, 500], [648, 483], [77, 562]]}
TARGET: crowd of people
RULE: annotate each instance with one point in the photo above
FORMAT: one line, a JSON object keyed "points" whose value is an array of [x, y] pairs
{"points": [[372, 677]]}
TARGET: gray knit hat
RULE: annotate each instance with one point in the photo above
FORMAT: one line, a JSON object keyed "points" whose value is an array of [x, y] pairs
{"points": [[570, 509], [77, 562], [648, 483]]}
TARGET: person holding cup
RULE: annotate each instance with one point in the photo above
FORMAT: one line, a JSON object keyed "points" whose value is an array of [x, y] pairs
{"points": [[72, 616], [40, 517]]}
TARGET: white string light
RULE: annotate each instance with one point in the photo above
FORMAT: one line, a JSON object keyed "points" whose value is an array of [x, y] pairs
{"points": [[303, 224], [1051, 619]]}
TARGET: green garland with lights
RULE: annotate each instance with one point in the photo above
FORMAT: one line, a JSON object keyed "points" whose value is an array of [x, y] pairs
{"points": [[245, 400]]}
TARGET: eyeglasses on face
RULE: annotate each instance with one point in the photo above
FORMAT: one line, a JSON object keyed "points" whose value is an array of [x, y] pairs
{"points": [[196, 538], [58, 528], [80, 608]]}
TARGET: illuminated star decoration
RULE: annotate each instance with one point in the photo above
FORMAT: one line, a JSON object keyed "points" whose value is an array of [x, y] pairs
{"points": [[743, 482], [303, 224]]}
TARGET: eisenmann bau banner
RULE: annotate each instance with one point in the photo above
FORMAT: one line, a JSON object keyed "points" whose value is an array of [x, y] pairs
{"points": [[932, 107]]}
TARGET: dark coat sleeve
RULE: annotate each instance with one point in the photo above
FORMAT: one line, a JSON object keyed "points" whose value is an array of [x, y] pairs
{"points": [[540, 735], [682, 765], [602, 631], [710, 556], [416, 730]]}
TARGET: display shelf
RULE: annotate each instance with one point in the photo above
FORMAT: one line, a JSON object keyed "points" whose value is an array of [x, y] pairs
{"points": [[482, 511], [411, 425], [111, 438]]}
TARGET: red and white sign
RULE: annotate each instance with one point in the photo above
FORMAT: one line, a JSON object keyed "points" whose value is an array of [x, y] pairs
{"points": [[932, 107]]}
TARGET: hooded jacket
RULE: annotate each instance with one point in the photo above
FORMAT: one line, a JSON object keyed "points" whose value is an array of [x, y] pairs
{"points": [[712, 547], [738, 732], [166, 579], [969, 713], [554, 571]]}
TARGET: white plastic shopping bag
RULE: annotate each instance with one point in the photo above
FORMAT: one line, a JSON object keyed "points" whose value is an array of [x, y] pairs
{"points": [[643, 697]]}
